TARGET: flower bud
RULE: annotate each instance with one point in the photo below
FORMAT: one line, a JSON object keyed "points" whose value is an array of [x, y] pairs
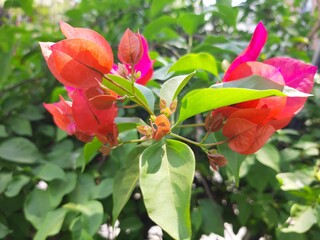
{"points": [[130, 49], [214, 121], [216, 159]]}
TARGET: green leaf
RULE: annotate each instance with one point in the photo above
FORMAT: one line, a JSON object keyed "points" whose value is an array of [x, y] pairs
{"points": [[3, 131], [32, 113], [269, 156], [302, 218], [128, 123], [211, 217], [91, 150], [166, 175], [36, 206], [203, 100], [49, 172], [5, 179], [16, 184], [21, 126], [125, 182], [92, 213], [148, 94], [4, 231], [190, 22], [256, 82], [124, 88], [19, 150], [295, 180], [172, 87], [195, 61], [153, 29], [157, 7], [51, 224], [103, 189]]}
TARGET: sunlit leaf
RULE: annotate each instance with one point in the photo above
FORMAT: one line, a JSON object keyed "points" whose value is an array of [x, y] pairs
{"points": [[195, 61], [172, 87], [166, 175]]}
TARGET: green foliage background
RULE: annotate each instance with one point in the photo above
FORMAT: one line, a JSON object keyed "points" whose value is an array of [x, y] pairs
{"points": [[278, 196]]}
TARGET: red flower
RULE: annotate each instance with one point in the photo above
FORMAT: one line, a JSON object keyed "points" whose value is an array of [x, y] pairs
{"points": [[80, 60], [249, 125]]}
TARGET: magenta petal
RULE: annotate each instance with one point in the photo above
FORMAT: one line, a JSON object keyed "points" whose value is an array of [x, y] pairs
{"points": [[145, 65], [257, 68], [296, 74], [251, 53]]}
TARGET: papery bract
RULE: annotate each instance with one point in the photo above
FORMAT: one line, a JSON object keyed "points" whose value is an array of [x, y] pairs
{"points": [[249, 125], [80, 60], [63, 118]]}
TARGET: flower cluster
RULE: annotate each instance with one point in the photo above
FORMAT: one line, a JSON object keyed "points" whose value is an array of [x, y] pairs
{"points": [[80, 63], [249, 125]]}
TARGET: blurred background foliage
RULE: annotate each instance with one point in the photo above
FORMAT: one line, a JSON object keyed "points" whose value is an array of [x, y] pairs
{"points": [[45, 194]]}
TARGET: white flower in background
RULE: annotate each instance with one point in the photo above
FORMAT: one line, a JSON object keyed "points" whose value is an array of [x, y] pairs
{"points": [[228, 234], [42, 185], [109, 232], [155, 233]]}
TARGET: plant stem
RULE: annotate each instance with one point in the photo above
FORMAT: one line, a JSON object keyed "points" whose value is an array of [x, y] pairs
{"points": [[191, 125], [185, 139]]}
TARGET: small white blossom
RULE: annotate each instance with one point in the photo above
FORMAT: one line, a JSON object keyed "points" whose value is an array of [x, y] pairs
{"points": [[155, 233], [42, 185], [109, 232], [228, 234]]}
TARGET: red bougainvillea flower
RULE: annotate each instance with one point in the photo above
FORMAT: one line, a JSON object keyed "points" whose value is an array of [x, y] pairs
{"points": [[249, 125], [80, 60], [144, 65], [92, 120], [63, 118]]}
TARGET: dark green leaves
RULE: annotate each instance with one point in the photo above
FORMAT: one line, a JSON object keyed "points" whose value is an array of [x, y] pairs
{"points": [[166, 175], [19, 150]]}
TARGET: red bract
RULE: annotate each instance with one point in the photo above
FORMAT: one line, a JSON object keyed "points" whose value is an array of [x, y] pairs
{"points": [[249, 125], [80, 60], [144, 65], [63, 118], [92, 120]]}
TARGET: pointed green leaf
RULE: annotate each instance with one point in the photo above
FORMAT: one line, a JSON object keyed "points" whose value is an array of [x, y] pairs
{"points": [[49, 171], [51, 224], [125, 182], [190, 22], [19, 150], [4, 231], [203, 100], [152, 30], [128, 123], [166, 175], [195, 61], [269, 156], [124, 88], [91, 150], [92, 213], [172, 87], [15, 186], [256, 82], [295, 180], [302, 218]]}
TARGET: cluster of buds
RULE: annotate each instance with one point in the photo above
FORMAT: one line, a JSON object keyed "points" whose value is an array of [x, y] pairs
{"points": [[159, 127]]}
